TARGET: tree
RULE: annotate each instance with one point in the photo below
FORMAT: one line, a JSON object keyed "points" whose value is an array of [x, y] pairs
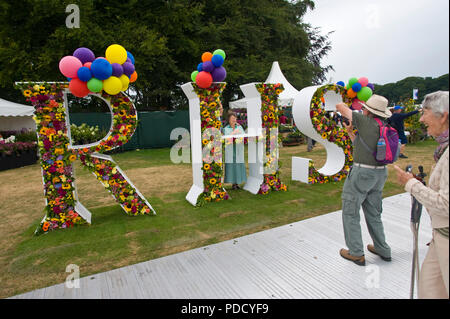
{"points": [[167, 38]]}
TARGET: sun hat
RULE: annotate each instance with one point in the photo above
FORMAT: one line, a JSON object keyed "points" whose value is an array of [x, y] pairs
{"points": [[377, 105]]}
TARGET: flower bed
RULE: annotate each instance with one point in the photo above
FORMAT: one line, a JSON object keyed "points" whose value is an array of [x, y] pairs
{"points": [[14, 154]]}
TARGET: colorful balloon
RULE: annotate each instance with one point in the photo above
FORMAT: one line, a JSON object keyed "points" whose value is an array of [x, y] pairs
{"points": [[117, 69], [131, 57], [69, 66], [220, 52], [217, 60], [363, 81], [88, 65], [356, 87], [84, 55], [194, 75], [208, 66], [351, 82], [364, 94], [219, 74], [78, 88], [101, 69], [128, 68], [84, 74], [133, 77], [204, 79], [116, 53], [371, 86], [95, 85], [112, 85], [200, 67], [341, 83], [351, 93], [125, 81], [207, 56]]}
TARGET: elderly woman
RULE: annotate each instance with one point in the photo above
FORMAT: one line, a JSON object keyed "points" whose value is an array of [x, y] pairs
{"points": [[235, 172], [433, 279]]}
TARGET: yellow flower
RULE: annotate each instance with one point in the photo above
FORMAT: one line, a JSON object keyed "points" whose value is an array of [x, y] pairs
{"points": [[213, 181], [27, 93], [206, 167], [205, 141], [72, 157]]}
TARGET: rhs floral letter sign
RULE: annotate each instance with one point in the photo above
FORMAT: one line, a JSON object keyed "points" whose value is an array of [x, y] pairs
{"points": [[57, 154]]}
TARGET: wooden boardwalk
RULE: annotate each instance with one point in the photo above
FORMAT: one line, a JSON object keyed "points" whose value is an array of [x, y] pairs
{"points": [[298, 260]]}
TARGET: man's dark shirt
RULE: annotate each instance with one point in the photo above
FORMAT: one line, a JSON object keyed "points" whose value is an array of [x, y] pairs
{"points": [[396, 120]]}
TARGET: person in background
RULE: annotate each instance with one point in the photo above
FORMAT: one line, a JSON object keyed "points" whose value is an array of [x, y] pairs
{"points": [[433, 277], [397, 121], [235, 171], [365, 182]]}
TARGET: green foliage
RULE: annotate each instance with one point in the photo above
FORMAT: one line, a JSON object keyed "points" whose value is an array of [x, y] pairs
{"points": [[403, 90], [416, 129], [167, 39], [85, 134]]}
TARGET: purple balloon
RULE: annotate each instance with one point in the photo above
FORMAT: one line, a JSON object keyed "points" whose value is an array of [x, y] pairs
{"points": [[371, 86], [219, 74], [128, 68], [117, 69], [84, 55], [208, 66]]}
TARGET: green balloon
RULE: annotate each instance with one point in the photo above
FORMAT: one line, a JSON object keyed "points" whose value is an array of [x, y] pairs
{"points": [[95, 85], [220, 52], [364, 94], [351, 82], [194, 75]]}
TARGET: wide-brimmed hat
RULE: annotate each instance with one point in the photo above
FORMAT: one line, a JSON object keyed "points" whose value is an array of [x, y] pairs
{"points": [[378, 105]]}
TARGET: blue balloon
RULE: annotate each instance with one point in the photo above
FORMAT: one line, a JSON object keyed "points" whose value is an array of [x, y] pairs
{"points": [[356, 87], [84, 74], [101, 69], [341, 83], [131, 57], [200, 67], [217, 60]]}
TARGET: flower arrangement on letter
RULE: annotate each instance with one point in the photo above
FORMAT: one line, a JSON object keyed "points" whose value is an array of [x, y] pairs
{"points": [[56, 158], [211, 143], [270, 123], [330, 129]]}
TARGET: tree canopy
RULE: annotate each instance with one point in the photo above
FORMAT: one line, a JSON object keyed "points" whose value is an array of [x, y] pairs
{"points": [[167, 38], [403, 89]]}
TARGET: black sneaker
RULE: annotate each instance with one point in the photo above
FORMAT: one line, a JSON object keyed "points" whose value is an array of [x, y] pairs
{"points": [[403, 156]]}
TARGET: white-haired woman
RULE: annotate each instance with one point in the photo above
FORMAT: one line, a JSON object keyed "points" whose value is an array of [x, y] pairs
{"points": [[433, 279]]}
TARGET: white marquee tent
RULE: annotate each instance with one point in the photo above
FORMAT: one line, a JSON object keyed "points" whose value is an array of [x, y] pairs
{"points": [[14, 116], [286, 97]]}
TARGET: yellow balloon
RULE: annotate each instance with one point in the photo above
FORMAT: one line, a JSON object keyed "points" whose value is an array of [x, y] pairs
{"points": [[116, 53], [112, 85], [125, 81]]}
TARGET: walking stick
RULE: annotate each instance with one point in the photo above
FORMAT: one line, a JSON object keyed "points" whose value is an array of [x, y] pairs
{"points": [[416, 212]]}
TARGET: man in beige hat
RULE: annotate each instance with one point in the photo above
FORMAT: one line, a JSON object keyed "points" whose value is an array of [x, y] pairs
{"points": [[365, 182]]}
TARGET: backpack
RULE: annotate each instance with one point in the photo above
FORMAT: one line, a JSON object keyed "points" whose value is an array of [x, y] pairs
{"points": [[388, 145]]}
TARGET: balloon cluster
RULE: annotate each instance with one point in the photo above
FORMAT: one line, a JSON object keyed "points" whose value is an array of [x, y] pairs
{"points": [[87, 74], [210, 69], [358, 90]]}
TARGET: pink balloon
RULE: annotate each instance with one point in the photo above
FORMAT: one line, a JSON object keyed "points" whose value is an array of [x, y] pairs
{"points": [[356, 104], [363, 81], [69, 66]]}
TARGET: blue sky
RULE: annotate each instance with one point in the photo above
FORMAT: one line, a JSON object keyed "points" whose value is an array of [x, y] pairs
{"points": [[384, 40]]}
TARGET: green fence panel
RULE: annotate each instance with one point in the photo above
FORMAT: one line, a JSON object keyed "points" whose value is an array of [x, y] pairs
{"points": [[153, 129]]}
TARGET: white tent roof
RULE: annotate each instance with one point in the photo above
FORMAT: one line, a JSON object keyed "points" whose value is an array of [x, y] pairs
{"points": [[286, 97], [8, 108]]}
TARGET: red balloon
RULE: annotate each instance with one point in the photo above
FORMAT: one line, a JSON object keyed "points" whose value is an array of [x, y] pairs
{"points": [[204, 79], [78, 87]]}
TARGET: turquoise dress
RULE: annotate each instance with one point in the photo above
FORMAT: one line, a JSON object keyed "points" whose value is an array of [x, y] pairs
{"points": [[235, 172]]}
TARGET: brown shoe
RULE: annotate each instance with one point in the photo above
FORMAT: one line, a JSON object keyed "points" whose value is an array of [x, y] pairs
{"points": [[371, 248], [360, 261]]}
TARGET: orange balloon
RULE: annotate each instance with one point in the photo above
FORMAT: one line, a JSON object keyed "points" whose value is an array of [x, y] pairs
{"points": [[133, 77], [351, 93], [207, 56]]}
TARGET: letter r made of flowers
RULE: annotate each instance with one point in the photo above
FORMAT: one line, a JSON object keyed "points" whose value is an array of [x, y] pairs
{"points": [[57, 154]]}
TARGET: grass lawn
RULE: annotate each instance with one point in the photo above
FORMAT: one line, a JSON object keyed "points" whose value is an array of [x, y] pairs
{"points": [[29, 262]]}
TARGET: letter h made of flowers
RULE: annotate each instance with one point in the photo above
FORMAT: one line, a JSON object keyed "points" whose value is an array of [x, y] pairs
{"points": [[63, 209]]}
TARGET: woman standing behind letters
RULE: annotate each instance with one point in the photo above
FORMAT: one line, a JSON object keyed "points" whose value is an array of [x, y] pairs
{"points": [[433, 278], [235, 172]]}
